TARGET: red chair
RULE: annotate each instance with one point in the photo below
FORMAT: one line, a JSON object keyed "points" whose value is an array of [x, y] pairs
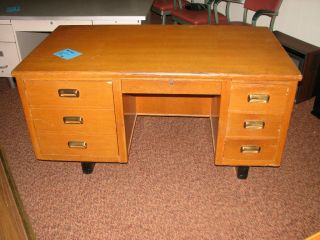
{"points": [[260, 7], [164, 8], [184, 16]]}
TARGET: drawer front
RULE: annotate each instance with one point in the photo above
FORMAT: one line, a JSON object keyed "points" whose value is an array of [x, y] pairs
{"points": [[44, 25], [60, 144], [6, 33], [2, 22], [258, 98], [250, 152], [127, 20], [253, 125], [86, 121], [9, 58], [170, 86], [75, 94]]}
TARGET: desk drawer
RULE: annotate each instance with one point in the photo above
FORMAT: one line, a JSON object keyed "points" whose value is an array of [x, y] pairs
{"points": [[9, 58], [250, 152], [75, 94], [3, 22], [6, 33], [44, 25], [86, 121], [170, 86], [253, 125], [95, 146], [264, 98], [125, 20]]}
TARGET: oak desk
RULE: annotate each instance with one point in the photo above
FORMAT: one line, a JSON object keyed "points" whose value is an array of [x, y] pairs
{"points": [[84, 109]]}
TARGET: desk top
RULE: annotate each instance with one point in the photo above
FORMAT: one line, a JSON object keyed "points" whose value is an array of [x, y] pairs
{"points": [[73, 9], [236, 52]]}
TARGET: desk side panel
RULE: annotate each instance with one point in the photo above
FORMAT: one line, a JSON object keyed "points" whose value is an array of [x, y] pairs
{"points": [[222, 123], [123, 143], [286, 121], [27, 114], [130, 116]]}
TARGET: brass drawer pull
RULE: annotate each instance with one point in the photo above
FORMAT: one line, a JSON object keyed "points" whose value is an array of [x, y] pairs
{"points": [[77, 144], [250, 149], [258, 98], [68, 92], [73, 120], [252, 124]]}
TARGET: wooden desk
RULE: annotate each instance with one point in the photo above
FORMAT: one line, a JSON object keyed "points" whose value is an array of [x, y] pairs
{"points": [[239, 77]]}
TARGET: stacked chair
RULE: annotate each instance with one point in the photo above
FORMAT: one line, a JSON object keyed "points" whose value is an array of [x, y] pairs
{"points": [[183, 12], [201, 13], [164, 8], [260, 8]]}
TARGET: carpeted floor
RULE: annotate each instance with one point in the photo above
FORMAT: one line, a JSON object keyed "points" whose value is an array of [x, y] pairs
{"points": [[170, 189]]}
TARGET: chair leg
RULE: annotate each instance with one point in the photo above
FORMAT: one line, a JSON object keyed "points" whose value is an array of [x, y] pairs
{"points": [[163, 19]]}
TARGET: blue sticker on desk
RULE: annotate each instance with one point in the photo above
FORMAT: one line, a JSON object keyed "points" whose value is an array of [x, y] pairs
{"points": [[67, 54], [13, 9]]}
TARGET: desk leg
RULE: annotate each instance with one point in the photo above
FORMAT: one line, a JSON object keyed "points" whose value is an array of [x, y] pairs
{"points": [[12, 83], [316, 106], [87, 167], [242, 172]]}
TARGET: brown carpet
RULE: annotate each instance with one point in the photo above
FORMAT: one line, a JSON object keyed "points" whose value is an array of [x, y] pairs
{"points": [[170, 189]]}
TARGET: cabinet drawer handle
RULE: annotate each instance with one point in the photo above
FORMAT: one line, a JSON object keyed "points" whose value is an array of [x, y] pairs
{"points": [[77, 144], [73, 120], [250, 149], [252, 124], [4, 66], [258, 98], [69, 93]]}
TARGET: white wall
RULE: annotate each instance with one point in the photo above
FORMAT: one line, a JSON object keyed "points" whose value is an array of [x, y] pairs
{"points": [[297, 18]]}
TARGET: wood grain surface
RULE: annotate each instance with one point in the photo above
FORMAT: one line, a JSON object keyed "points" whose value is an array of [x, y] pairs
{"points": [[217, 51], [14, 223]]}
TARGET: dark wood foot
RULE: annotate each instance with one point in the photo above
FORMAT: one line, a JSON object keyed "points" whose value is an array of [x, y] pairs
{"points": [[316, 113], [242, 172], [87, 167], [316, 105]]}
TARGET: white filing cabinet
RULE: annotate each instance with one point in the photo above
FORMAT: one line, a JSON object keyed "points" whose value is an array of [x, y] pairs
{"points": [[9, 56]]}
